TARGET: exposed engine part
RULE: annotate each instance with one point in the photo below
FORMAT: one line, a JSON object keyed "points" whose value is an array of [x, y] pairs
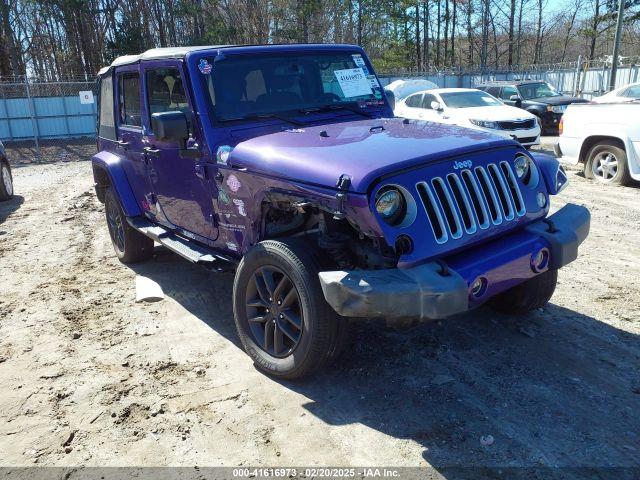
{"points": [[279, 223], [336, 244], [345, 247]]}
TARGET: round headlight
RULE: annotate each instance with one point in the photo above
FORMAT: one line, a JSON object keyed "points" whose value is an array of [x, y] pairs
{"points": [[521, 165], [390, 205]]}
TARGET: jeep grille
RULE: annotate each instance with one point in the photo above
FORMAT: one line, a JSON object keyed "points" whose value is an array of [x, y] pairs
{"points": [[475, 199]]}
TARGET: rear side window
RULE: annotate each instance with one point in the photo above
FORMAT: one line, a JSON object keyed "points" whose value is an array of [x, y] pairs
{"points": [[106, 128], [129, 100], [495, 91], [414, 100]]}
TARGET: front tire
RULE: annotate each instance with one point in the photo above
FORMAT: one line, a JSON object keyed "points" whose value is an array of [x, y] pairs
{"points": [[129, 244], [534, 293], [282, 318], [6, 182], [607, 163]]}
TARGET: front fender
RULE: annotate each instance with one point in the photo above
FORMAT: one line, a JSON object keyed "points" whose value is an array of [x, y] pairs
{"points": [[110, 164], [555, 178]]}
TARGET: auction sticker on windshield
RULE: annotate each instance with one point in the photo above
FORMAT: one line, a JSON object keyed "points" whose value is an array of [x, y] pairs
{"points": [[353, 82]]}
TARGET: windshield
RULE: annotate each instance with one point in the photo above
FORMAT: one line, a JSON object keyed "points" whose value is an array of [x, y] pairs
{"points": [[529, 91], [247, 87], [469, 99]]}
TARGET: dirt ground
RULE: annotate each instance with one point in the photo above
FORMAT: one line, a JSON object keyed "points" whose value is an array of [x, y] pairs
{"points": [[89, 377]]}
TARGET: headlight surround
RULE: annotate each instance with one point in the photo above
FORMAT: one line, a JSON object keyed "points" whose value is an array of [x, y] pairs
{"points": [[485, 124], [390, 205], [521, 165], [526, 170]]}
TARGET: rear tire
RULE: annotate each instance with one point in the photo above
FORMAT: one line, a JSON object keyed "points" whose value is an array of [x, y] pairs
{"points": [[282, 318], [130, 245], [607, 164], [532, 294], [6, 181]]}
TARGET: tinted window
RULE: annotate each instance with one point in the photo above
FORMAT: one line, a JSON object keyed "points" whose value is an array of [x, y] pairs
{"points": [[414, 101], [529, 91], [166, 92], [469, 99], [242, 87], [495, 91], [107, 128], [507, 92], [426, 101], [129, 100]]}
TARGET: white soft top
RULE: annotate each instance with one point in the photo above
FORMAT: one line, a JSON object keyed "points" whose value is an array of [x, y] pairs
{"points": [[403, 88], [156, 54]]}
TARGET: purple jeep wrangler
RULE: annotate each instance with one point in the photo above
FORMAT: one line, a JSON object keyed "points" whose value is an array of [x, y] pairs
{"points": [[285, 164]]}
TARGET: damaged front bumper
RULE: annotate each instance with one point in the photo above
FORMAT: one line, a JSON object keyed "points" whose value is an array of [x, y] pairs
{"points": [[444, 288]]}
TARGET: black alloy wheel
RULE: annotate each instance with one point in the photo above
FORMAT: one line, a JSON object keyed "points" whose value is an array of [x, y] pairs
{"points": [[274, 311]]}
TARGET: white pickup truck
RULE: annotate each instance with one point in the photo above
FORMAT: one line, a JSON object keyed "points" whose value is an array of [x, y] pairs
{"points": [[605, 138]]}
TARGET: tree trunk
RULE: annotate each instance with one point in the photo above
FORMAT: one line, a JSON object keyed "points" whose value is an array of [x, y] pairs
{"points": [[438, 35], [512, 17], [418, 40]]}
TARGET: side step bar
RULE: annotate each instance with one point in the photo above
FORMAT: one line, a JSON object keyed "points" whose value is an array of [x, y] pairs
{"points": [[193, 252]]}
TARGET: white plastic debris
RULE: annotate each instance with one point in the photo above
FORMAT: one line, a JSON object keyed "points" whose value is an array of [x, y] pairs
{"points": [[147, 290]]}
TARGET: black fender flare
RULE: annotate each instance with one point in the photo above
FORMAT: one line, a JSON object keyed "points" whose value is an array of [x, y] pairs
{"points": [[108, 166]]}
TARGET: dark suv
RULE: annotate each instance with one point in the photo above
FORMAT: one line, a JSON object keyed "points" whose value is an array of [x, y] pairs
{"points": [[534, 96], [285, 164]]}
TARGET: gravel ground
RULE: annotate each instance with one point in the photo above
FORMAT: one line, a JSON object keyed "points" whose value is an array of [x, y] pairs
{"points": [[89, 377]]}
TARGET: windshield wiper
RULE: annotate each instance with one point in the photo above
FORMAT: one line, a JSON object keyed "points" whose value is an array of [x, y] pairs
{"points": [[261, 116], [351, 107]]}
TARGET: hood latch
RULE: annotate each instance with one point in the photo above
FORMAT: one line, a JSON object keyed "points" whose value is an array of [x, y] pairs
{"points": [[343, 184]]}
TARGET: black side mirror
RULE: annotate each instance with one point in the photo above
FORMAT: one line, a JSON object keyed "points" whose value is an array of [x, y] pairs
{"points": [[391, 98], [516, 99], [170, 127]]}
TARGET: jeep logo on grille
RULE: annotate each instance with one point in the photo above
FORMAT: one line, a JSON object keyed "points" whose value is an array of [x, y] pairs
{"points": [[464, 164]]}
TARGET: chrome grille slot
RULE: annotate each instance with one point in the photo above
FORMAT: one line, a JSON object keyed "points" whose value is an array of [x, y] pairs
{"points": [[471, 199], [516, 195], [477, 200], [502, 191], [433, 212], [448, 207], [462, 201], [490, 197]]}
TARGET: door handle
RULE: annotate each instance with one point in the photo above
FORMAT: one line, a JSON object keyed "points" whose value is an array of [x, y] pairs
{"points": [[151, 151], [122, 143]]}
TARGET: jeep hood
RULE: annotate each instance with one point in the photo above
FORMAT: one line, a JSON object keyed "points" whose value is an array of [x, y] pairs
{"points": [[364, 150]]}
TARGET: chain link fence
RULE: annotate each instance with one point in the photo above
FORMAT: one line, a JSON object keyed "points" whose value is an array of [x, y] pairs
{"points": [[45, 121], [584, 78]]}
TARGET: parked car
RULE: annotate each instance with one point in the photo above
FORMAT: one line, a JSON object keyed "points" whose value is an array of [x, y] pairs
{"points": [[473, 109], [6, 178], [627, 93], [285, 164], [536, 97], [401, 89], [605, 139]]}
